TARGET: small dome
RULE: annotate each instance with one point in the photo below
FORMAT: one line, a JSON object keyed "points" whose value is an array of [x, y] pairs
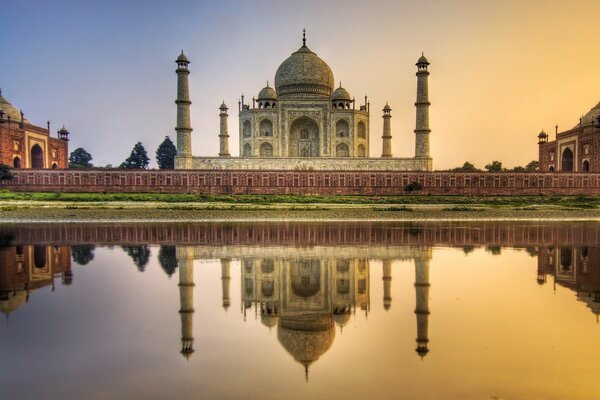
{"points": [[63, 130], [591, 117], [423, 60], [269, 320], [267, 93], [223, 106], [341, 319], [387, 107], [10, 111], [182, 58], [304, 72], [341, 94], [543, 134]]}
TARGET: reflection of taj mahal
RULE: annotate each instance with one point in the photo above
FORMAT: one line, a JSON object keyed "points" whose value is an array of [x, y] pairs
{"points": [[304, 122], [304, 292]]}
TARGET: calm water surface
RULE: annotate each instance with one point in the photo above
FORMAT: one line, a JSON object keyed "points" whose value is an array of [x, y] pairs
{"points": [[300, 311]]}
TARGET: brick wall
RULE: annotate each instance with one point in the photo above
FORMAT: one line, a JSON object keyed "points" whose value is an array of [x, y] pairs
{"points": [[303, 182]]}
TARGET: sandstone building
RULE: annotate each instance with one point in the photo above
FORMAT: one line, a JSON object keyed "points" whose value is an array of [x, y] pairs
{"points": [[24, 145], [574, 150], [303, 122]]}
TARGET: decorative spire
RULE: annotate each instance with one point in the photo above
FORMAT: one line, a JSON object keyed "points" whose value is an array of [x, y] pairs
{"points": [[303, 37]]}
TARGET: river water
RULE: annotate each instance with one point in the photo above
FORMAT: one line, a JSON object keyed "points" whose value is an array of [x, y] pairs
{"points": [[448, 310]]}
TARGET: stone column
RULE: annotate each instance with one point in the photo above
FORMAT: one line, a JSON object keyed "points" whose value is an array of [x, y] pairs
{"points": [[422, 304], [184, 128], [386, 152], [387, 284], [422, 104], [224, 132], [185, 264], [225, 279]]}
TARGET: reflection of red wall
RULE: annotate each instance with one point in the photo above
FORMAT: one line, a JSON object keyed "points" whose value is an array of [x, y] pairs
{"points": [[303, 182], [19, 272]]}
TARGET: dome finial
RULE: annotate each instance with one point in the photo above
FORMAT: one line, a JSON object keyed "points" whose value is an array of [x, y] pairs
{"points": [[304, 37], [340, 83]]}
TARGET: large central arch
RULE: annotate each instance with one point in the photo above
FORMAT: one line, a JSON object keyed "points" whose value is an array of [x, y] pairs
{"points": [[567, 160], [37, 157], [304, 138]]}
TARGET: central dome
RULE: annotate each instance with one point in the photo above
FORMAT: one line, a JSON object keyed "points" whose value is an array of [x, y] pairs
{"points": [[304, 73]]}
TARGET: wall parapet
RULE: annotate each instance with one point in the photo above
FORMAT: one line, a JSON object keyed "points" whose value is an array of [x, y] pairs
{"points": [[303, 182]]}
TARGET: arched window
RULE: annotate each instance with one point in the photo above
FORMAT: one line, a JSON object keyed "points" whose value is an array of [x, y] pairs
{"points": [[362, 130], [341, 150], [17, 162], [341, 128], [267, 266], [39, 256], [586, 166], [551, 169], [567, 160], [247, 129], [267, 288], [566, 258], [247, 150], [54, 165], [37, 157], [266, 127], [361, 150], [266, 150]]}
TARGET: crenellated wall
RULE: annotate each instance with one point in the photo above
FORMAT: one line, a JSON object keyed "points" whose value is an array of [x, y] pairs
{"points": [[303, 182]]}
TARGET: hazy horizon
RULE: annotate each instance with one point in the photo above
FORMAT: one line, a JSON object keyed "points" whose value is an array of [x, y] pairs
{"points": [[500, 71]]}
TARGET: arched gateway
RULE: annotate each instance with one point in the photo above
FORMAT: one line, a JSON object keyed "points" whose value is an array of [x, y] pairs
{"points": [[304, 138]]}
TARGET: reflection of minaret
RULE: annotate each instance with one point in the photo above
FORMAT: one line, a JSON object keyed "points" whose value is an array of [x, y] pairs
{"points": [[387, 284], [422, 308], [225, 279], [185, 262]]}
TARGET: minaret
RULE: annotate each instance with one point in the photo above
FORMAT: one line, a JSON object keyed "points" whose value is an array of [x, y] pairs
{"points": [[225, 279], [387, 284], [185, 264], [184, 128], [422, 308], [422, 126], [224, 132], [386, 152]]}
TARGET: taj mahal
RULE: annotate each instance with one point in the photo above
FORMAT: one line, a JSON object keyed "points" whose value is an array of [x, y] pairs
{"points": [[303, 123]]}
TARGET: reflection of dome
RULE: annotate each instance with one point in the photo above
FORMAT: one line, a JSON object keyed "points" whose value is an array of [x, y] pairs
{"points": [[269, 320], [304, 72], [341, 94], [10, 301], [341, 319], [267, 93], [306, 278], [306, 339]]}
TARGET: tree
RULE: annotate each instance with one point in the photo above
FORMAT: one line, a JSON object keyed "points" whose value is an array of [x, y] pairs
{"points": [[5, 173], [518, 169], [413, 187], [82, 254], [80, 158], [138, 159], [494, 166], [167, 257], [467, 167], [165, 154], [533, 166], [139, 254]]}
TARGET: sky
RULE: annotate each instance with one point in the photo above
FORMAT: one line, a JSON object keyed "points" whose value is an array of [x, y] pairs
{"points": [[501, 71]]}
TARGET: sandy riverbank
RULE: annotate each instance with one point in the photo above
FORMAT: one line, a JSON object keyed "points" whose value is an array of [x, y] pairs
{"points": [[38, 211]]}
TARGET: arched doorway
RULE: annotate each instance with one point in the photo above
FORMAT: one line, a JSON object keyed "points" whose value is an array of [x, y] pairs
{"points": [[266, 150], [37, 157], [39, 256], [266, 127], [567, 160], [54, 165], [551, 168], [304, 138], [586, 166], [361, 150], [362, 130], [17, 162], [342, 150], [247, 150], [341, 128]]}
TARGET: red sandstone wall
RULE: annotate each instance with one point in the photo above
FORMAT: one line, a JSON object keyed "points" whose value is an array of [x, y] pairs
{"points": [[303, 182]]}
